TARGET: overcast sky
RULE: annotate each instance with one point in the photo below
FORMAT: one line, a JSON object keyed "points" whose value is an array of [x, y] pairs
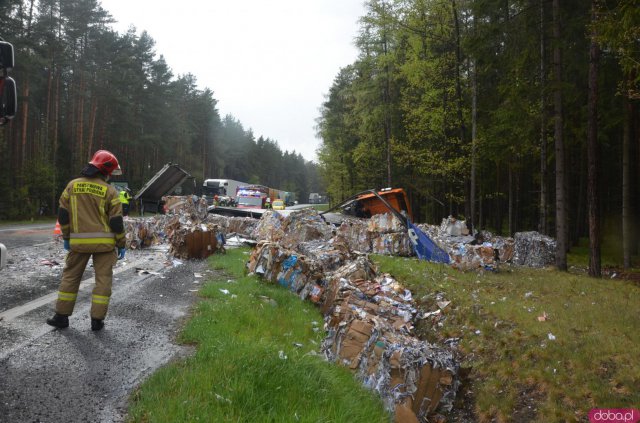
{"points": [[270, 63]]}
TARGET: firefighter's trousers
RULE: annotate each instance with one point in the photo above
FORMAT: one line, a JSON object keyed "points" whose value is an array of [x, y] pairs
{"points": [[74, 267]]}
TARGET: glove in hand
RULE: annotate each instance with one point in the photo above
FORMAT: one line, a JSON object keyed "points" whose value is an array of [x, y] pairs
{"points": [[66, 245], [121, 252]]}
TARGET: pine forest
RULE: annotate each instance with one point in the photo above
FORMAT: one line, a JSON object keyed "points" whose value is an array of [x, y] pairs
{"points": [[515, 115]]}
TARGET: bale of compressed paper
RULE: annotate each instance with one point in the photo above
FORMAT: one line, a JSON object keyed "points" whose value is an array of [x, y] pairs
{"points": [[304, 225], [285, 267], [243, 226], [221, 221], [392, 244], [354, 234], [328, 255], [453, 227], [269, 227], [385, 223], [534, 249], [193, 206], [189, 241], [369, 318], [144, 232], [403, 370]]}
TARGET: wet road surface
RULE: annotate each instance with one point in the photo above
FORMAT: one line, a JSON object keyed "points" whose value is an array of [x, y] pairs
{"points": [[76, 375]]}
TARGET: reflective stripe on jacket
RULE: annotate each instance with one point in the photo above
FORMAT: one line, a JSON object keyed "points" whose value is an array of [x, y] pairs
{"points": [[92, 204]]}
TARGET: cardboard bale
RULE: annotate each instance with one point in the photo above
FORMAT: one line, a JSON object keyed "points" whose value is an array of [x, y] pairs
{"points": [[401, 367], [285, 267], [368, 317], [242, 225], [354, 234], [534, 249], [392, 244], [328, 255], [192, 241], [221, 221], [269, 227], [304, 225], [264, 260], [385, 223], [294, 271], [193, 206], [144, 232]]}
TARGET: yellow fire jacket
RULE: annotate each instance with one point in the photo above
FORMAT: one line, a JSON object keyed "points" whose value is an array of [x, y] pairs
{"points": [[90, 216], [124, 197]]}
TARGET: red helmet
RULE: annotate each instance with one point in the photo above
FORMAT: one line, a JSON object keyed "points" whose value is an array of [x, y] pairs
{"points": [[106, 163]]}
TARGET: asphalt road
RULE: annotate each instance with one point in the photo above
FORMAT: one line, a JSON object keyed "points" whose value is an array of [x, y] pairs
{"points": [[76, 375], [15, 236]]}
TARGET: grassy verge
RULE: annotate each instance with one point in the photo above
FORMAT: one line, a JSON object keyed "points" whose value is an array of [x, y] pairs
{"points": [[583, 355], [255, 362]]}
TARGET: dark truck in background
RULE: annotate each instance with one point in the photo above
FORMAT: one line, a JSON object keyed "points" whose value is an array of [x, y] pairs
{"points": [[168, 179]]}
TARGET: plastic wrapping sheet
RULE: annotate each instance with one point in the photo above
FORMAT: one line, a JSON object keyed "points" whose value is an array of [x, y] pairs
{"points": [[534, 249]]}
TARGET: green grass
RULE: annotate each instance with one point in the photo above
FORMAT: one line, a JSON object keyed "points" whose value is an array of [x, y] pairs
{"points": [[239, 372], [592, 363]]}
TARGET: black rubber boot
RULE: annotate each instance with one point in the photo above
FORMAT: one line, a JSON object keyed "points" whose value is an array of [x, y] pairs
{"points": [[59, 321], [97, 324]]}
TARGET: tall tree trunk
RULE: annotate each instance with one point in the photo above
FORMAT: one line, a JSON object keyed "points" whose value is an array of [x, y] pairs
{"points": [[92, 124], [474, 146], [542, 226], [561, 207], [592, 155], [25, 122], [627, 230], [80, 121], [387, 99], [56, 122], [458, 83], [510, 201]]}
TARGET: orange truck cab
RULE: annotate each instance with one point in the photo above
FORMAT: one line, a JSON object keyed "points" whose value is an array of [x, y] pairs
{"points": [[369, 204]]}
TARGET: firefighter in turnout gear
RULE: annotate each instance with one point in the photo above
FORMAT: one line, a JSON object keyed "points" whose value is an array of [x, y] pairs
{"points": [[90, 215]]}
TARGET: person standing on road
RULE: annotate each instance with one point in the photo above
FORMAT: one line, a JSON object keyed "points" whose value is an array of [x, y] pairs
{"points": [[125, 197], [90, 215]]}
